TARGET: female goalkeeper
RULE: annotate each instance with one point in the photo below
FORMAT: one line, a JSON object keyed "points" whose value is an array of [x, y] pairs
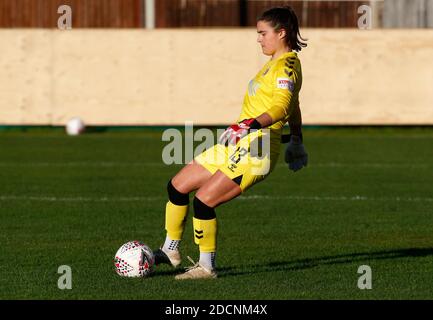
{"points": [[271, 100]]}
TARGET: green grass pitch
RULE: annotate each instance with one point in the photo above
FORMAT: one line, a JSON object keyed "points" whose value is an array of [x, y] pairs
{"points": [[366, 198]]}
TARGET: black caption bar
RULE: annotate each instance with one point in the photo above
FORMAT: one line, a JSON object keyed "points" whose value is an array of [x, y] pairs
{"points": [[215, 309]]}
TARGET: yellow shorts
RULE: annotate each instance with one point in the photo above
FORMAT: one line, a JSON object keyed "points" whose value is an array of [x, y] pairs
{"points": [[250, 161]]}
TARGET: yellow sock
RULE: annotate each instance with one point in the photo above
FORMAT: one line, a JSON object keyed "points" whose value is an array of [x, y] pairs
{"points": [[175, 217], [205, 234]]}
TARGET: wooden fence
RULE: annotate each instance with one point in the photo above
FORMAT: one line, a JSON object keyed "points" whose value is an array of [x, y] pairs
{"points": [[85, 13], [172, 13]]}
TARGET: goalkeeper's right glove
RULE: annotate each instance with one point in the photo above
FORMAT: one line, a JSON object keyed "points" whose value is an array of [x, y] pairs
{"points": [[296, 157]]}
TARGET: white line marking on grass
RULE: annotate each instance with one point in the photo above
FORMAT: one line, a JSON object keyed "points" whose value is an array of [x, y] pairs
{"points": [[251, 197], [328, 198], [82, 164], [160, 164], [79, 199], [372, 165]]}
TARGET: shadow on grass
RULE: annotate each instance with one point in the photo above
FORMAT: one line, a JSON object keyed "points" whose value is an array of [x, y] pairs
{"points": [[302, 264], [172, 272]]}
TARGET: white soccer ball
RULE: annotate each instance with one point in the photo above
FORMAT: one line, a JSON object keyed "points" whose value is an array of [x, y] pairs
{"points": [[75, 126], [134, 259]]}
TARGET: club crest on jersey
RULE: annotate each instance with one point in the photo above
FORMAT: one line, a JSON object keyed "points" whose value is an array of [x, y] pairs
{"points": [[253, 86], [285, 83]]}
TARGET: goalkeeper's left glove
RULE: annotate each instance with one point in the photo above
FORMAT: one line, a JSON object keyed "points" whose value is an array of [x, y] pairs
{"points": [[296, 157], [237, 131]]}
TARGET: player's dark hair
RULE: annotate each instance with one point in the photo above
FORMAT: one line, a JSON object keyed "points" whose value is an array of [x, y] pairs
{"points": [[285, 18]]}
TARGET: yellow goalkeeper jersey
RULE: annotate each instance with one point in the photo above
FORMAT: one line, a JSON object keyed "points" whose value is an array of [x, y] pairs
{"points": [[275, 90]]}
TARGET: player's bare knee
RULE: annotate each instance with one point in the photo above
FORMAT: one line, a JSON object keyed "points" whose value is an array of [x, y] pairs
{"points": [[176, 196], [181, 183], [206, 197]]}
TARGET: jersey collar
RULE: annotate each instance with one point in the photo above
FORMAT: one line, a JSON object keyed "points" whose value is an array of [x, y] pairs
{"points": [[286, 55]]}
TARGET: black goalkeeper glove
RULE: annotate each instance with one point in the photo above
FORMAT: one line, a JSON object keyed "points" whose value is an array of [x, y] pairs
{"points": [[296, 157]]}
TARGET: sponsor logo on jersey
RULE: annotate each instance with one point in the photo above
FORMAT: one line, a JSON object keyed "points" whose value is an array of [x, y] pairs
{"points": [[285, 83]]}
